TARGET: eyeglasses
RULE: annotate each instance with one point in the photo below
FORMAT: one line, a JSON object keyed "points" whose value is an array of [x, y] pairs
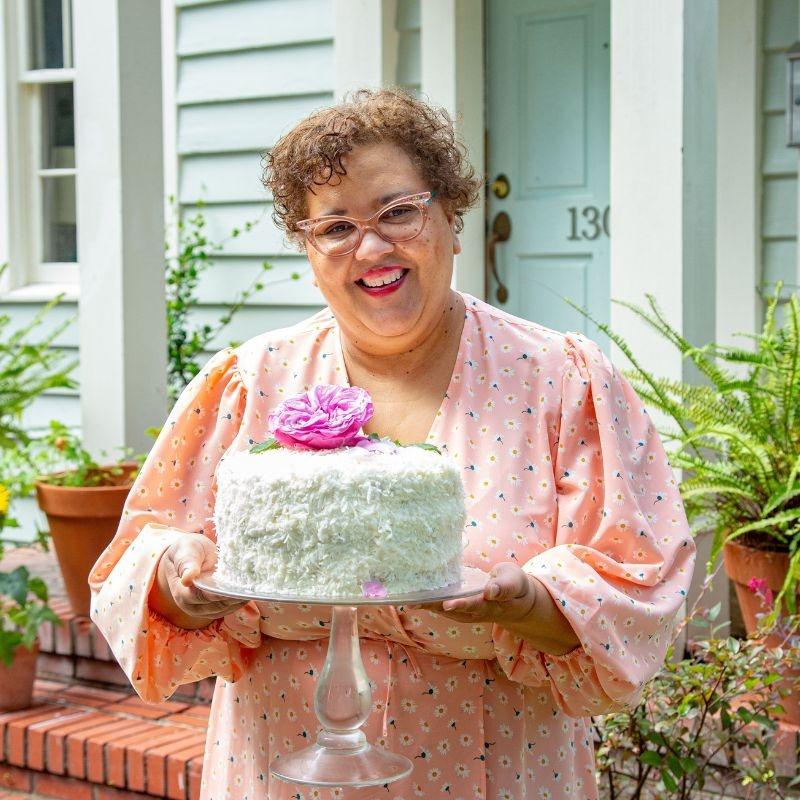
{"points": [[399, 221]]}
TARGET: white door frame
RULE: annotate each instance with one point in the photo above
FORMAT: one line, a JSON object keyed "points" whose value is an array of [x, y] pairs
{"points": [[453, 77]]}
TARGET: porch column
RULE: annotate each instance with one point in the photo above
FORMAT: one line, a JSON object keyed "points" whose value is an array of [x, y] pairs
{"points": [[663, 187], [120, 207], [452, 77], [365, 44], [647, 171]]}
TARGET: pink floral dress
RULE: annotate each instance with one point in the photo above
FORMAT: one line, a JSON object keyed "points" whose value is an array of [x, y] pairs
{"points": [[564, 474]]}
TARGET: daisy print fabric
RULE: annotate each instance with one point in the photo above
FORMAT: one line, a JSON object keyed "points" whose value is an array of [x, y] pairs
{"points": [[564, 474]]}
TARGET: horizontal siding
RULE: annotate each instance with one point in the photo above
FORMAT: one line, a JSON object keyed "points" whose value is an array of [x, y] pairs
{"points": [[779, 259], [22, 314], [248, 322], [780, 208], [60, 404], [229, 277], [263, 240], [248, 25], [285, 71], [221, 178], [247, 71], [64, 407], [778, 158], [774, 92], [778, 162], [252, 125], [27, 513], [780, 24]]}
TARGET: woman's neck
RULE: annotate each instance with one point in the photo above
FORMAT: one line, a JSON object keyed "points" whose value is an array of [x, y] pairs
{"points": [[419, 360]]}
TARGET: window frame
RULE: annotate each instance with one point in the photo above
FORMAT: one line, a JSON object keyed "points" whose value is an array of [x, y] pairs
{"points": [[24, 156]]}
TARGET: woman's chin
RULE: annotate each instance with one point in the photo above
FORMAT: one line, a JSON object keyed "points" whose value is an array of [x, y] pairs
{"points": [[391, 327], [392, 316]]}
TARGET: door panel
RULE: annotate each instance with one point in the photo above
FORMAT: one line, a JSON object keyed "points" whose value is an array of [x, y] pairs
{"points": [[548, 111]]}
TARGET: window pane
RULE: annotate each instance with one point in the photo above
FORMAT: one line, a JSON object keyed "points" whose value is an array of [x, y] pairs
{"points": [[58, 126], [58, 219], [50, 34]]}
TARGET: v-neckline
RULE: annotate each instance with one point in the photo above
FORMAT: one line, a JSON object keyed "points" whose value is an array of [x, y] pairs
{"points": [[455, 376]]}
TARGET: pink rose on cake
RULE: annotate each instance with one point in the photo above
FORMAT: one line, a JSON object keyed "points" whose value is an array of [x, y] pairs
{"points": [[324, 418]]}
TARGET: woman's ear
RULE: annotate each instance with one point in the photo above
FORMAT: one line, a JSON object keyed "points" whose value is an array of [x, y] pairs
{"points": [[452, 219]]}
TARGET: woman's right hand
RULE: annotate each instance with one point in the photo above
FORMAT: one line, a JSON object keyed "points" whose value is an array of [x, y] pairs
{"points": [[174, 595]]}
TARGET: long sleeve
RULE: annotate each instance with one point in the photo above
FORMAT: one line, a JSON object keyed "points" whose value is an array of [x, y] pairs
{"points": [[172, 495], [623, 555]]}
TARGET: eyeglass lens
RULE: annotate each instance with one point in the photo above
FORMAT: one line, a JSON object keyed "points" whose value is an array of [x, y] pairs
{"points": [[396, 224]]}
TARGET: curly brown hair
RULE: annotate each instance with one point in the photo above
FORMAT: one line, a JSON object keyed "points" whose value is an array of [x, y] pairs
{"points": [[311, 153]]}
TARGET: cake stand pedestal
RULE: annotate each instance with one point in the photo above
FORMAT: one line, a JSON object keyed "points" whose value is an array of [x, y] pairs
{"points": [[342, 756]]}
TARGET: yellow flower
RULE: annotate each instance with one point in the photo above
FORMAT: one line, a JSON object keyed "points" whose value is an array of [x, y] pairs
{"points": [[5, 498]]}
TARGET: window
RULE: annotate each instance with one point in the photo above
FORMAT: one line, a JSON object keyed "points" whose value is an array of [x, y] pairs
{"points": [[45, 143]]}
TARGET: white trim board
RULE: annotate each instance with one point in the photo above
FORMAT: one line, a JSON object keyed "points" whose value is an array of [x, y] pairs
{"points": [[5, 153], [738, 175], [453, 64]]}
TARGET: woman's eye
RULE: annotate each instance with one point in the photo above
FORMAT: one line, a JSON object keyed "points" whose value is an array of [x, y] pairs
{"points": [[338, 228], [398, 213]]}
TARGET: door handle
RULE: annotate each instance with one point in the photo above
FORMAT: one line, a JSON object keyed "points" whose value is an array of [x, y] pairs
{"points": [[501, 232]]}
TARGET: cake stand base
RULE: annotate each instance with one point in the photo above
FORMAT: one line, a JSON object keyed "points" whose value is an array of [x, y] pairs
{"points": [[330, 763], [342, 757]]}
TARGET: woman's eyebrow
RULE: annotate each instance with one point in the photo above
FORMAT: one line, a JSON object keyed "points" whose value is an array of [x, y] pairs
{"points": [[382, 201]]}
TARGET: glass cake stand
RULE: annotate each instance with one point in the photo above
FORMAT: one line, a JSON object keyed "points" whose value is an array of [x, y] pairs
{"points": [[342, 756]]}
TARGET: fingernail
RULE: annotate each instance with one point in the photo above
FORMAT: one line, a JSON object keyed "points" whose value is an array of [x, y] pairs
{"points": [[494, 591], [448, 604]]}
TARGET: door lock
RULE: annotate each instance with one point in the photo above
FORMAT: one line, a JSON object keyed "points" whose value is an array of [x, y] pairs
{"points": [[500, 186]]}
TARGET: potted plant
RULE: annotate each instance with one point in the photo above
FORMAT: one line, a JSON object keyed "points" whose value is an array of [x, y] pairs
{"points": [[737, 438], [83, 502], [23, 608]]}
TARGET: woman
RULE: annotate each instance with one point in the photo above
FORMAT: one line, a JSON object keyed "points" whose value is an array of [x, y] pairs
{"points": [[572, 506]]}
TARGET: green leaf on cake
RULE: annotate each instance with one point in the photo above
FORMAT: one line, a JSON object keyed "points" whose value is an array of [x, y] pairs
{"points": [[374, 437], [268, 444], [426, 446]]}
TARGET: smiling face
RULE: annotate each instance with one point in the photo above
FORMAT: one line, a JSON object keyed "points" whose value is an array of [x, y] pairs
{"points": [[403, 313]]}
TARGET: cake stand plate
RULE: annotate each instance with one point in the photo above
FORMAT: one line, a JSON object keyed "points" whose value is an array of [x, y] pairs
{"points": [[342, 756], [472, 582]]}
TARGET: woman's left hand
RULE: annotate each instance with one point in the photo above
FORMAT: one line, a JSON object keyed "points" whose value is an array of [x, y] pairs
{"points": [[509, 596]]}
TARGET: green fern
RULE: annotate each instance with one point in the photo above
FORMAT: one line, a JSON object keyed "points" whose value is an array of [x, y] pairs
{"points": [[736, 436]]}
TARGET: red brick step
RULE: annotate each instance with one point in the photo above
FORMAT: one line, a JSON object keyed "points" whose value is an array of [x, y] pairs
{"points": [[88, 736], [78, 739]]}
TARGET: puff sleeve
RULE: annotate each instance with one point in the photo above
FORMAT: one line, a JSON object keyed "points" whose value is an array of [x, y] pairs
{"points": [[623, 555], [172, 495]]}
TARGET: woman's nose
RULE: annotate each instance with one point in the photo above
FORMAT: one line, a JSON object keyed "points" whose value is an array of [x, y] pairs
{"points": [[372, 246]]}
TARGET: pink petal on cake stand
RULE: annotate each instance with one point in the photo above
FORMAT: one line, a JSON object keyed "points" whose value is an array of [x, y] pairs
{"points": [[374, 589]]}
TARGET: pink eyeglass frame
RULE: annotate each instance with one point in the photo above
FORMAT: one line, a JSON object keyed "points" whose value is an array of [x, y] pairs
{"points": [[421, 200]]}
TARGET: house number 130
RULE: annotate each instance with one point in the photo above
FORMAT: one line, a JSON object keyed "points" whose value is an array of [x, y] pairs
{"points": [[595, 223]]}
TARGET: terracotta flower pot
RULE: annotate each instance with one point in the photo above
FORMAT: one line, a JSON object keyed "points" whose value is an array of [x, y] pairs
{"points": [[742, 564], [16, 681], [83, 520]]}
